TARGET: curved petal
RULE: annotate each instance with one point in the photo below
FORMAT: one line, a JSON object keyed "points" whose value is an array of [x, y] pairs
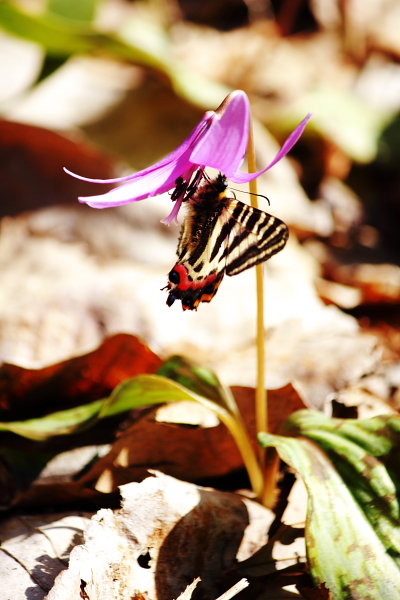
{"points": [[116, 180], [204, 124], [153, 183], [224, 145], [240, 177], [173, 215]]}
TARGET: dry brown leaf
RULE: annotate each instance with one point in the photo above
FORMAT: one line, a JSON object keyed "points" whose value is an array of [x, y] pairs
{"points": [[368, 404], [282, 402], [376, 283], [78, 92], [34, 549], [20, 65], [319, 361], [341, 295], [167, 533], [320, 593], [28, 393], [31, 168]]}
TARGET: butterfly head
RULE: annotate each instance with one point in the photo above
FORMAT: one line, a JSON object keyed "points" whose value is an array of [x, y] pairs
{"points": [[214, 187]]}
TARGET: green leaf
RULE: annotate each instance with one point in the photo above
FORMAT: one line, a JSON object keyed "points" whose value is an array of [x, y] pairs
{"points": [[63, 37], [199, 379], [351, 471], [59, 423], [143, 390], [133, 393], [155, 389], [58, 36], [346, 119], [78, 10]]}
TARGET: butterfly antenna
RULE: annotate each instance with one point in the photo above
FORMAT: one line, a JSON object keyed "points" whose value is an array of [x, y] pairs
{"points": [[252, 194]]}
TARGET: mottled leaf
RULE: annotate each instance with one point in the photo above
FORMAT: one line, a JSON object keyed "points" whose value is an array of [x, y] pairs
{"points": [[351, 472]]}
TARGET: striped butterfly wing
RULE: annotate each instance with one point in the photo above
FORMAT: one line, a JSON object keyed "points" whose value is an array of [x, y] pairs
{"points": [[231, 240], [254, 237], [198, 273]]}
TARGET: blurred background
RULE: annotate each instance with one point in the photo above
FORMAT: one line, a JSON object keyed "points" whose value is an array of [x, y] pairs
{"points": [[107, 87]]}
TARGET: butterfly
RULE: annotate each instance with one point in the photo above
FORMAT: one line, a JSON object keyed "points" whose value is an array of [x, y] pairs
{"points": [[219, 235]]}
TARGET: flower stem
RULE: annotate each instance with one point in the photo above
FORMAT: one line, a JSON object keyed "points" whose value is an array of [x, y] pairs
{"points": [[231, 417], [261, 392], [269, 460], [239, 434]]}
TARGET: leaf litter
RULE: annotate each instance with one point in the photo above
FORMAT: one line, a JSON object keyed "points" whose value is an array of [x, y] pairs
{"points": [[72, 278]]}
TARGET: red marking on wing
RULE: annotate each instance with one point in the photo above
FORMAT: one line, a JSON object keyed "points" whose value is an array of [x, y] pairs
{"points": [[191, 293], [185, 283]]}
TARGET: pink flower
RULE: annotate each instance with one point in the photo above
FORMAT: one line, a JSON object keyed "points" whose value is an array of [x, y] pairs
{"points": [[219, 141]]}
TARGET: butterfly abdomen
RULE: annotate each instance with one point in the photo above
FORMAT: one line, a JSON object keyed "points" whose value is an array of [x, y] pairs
{"points": [[204, 211]]}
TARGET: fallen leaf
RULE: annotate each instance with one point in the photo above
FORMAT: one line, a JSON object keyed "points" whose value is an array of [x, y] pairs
{"points": [[25, 393], [319, 362], [344, 296], [31, 168], [189, 453], [167, 533], [347, 466], [319, 593], [20, 65], [368, 404], [378, 283], [282, 402], [375, 283], [35, 549]]}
